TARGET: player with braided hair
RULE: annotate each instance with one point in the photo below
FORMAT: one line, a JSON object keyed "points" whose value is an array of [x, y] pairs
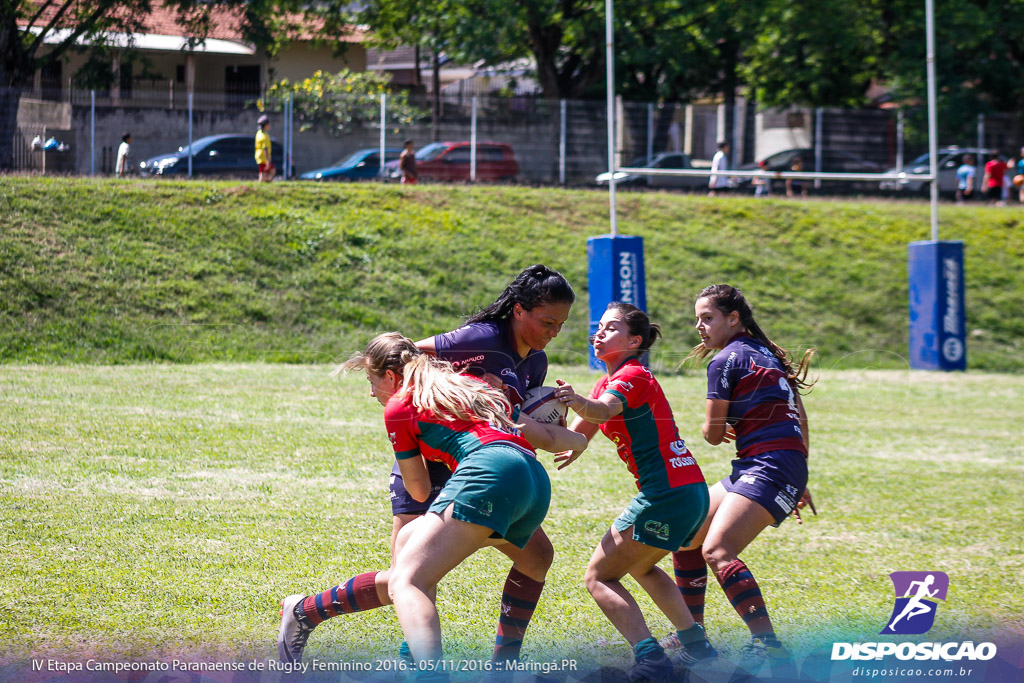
{"points": [[753, 399]]}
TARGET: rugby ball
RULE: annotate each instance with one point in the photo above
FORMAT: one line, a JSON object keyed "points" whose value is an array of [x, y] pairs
{"points": [[541, 405]]}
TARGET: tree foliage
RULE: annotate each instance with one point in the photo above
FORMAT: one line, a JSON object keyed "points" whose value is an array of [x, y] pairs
{"points": [[338, 102]]}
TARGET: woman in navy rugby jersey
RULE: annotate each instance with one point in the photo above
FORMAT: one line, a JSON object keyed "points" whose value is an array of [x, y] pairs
{"points": [[753, 399], [629, 407]]}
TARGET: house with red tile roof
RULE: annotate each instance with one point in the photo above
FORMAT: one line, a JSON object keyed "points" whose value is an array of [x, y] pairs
{"points": [[161, 62]]}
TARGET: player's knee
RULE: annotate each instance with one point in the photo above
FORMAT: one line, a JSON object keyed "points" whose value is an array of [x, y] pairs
{"points": [[591, 579], [716, 556], [544, 555], [538, 560]]}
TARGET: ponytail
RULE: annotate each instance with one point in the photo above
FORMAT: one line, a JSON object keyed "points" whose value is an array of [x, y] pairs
{"points": [[436, 388], [433, 385], [535, 286], [637, 324]]}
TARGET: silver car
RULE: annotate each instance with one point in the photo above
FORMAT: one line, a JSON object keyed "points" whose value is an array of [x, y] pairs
{"points": [[666, 160], [950, 159]]}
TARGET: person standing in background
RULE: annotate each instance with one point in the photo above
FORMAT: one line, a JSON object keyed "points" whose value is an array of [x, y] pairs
{"points": [[795, 186], [719, 162], [993, 179], [266, 166], [407, 164], [124, 165], [965, 176], [1019, 171]]}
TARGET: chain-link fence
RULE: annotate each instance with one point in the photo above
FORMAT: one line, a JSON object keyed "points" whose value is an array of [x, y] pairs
{"points": [[517, 137]]}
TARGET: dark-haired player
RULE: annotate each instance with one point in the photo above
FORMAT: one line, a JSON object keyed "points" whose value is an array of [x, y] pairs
{"points": [[630, 408], [753, 399]]}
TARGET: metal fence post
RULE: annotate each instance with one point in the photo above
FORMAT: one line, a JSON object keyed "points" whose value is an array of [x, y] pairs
{"points": [[92, 133], [383, 133], [561, 145], [290, 145], [899, 141], [981, 134], [650, 131], [472, 144], [817, 146], [190, 135]]}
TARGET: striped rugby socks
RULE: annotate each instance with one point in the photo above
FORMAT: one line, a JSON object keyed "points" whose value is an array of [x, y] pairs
{"points": [[518, 602], [691, 572], [741, 588], [355, 595]]}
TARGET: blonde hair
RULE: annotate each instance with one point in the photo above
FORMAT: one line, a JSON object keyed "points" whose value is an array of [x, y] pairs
{"points": [[432, 385]]}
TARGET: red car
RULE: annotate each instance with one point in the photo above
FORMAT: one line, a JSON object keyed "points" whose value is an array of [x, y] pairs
{"points": [[449, 162]]}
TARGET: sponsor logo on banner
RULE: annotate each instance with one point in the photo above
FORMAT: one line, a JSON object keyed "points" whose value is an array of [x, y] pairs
{"points": [[628, 278], [953, 347]]}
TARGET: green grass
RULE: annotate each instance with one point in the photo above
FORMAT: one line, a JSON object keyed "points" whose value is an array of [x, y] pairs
{"points": [[103, 272], [159, 511]]}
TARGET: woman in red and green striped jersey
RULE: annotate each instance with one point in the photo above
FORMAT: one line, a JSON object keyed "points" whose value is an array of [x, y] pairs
{"points": [[498, 493], [629, 407]]}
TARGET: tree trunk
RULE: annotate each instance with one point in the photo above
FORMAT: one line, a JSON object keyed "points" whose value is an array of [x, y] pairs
{"points": [[14, 71], [436, 85], [9, 99], [731, 60]]}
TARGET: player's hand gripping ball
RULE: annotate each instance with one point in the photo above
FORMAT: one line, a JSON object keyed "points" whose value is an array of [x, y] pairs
{"points": [[541, 405]]}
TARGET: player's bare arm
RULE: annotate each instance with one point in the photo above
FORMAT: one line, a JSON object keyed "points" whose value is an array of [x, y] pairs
{"points": [[552, 437], [596, 411], [716, 427]]}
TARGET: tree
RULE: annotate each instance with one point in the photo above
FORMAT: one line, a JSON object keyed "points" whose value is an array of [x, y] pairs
{"points": [[816, 53], [564, 37], [37, 33], [335, 103]]}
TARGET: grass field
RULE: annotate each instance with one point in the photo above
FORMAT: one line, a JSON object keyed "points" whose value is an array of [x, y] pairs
{"points": [[155, 511], [95, 271]]}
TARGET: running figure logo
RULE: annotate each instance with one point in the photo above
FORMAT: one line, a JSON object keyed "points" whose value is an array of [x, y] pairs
{"points": [[917, 594]]}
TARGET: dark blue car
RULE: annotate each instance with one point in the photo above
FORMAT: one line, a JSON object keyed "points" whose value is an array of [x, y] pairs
{"points": [[214, 156], [363, 164]]}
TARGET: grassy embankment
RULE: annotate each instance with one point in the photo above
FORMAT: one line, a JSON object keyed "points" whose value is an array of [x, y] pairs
{"points": [[100, 272]]}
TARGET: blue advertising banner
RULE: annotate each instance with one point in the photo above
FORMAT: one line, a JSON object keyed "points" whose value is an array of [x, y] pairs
{"points": [[615, 272], [938, 339]]}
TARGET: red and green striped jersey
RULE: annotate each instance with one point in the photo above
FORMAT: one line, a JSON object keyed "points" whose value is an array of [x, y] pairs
{"points": [[415, 432], [645, 432]]}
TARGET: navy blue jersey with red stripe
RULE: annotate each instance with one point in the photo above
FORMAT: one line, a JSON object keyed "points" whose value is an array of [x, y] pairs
{"points": [[414, 432], [645, 433], [762, 402], [489, 347]]}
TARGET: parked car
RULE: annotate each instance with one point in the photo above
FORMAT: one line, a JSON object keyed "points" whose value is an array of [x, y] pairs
{"points": [[832, 161], [666, 160], [950, 159], [214, 156], [450, 161], [363, 164]]}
